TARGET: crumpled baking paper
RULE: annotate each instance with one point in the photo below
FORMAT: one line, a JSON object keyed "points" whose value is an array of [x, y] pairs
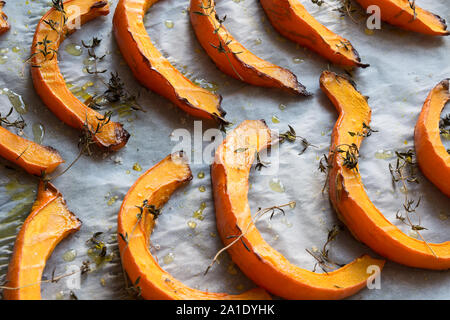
{"points": [[404, 68]]}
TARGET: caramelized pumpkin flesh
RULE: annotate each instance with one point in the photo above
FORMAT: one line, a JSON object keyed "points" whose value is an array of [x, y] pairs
{"points": [[153, 70], [433, 158], [49, 82], [347, 193], [135, 225], [32, 157], [4, 25], [232, 57], [255, 257], [406, 15], [291, 20], [48, 223]]}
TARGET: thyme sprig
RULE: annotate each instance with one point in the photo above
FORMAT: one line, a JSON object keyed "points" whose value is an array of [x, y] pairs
{"points": [[367, 131], [91, 52], [322, 257], [291, 136], [350, 155], [85, 143], [208, 10], [54, 278], [239, 238], [405, 172], [116, 92], [444, 124], [18, 123], [412, 5], [259, 163], [45, 50], [97, 244]]}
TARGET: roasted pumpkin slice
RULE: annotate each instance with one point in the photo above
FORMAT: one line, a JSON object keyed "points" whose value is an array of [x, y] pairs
{"points": [[291, 20], [346, 189], [4, 25], [231, 57], [48, 223], [32, 157], [137, 216], [433, 158], [153, 70], [406, 15], [254, 256], [49, 82]]}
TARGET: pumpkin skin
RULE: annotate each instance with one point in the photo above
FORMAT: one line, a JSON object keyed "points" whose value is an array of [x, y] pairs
{"points": [[4, 25], [292, 21], [32, 157], [153, 70], [156, 186], [48, 223], [49, 82], [237, 61], [433, 158], [347, 193], [257, 259], [399, 13]]}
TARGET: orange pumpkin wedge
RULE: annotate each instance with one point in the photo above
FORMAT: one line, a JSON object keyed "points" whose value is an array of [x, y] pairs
{"points": [[291, 20], [49, 82], [4, 25], [408, 16], [153, 70], [231, 57], [433, 158], [347, 193], [48, 223], [135, 225], [32, 157], [256, 258]]}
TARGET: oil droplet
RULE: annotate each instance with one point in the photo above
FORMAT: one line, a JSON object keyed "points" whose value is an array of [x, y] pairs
{"points": [[198, 214], [276, 185], [282, 106], [236, 1], [112, 200], [16, 100], [192, 224], [69, 255], [59, 295], [137, 167], [240, 287], [231, 269], [169, 24], [38, 133], [3, 59], [213, 234], [202, 189], [405, 142], [201, 175], [258, 41], [4, 50], [89, 61], [297, 60], [369, 32], [275, 119], [15, 49], [74, 49], [128, 172], [413, 234], [443, 216], [292, 204], [103, 282], [169, 258], [210, 86], [381, 154]]}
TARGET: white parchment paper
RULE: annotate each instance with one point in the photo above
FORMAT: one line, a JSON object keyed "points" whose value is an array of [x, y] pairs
{"points": [[404, 67]]}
